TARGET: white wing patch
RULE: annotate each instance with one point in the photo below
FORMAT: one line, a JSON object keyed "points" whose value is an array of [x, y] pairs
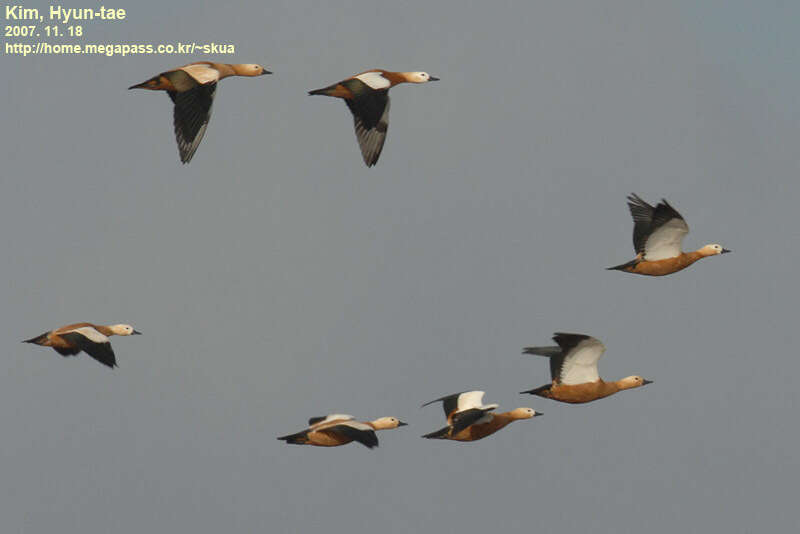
{"points": [[473, 399], [91, 334], [666, 241], [333, 417], [374, 80], [202, 74], [470, 399], [580, 364]]}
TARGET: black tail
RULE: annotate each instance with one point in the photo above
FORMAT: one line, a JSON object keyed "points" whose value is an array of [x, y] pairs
{"points": [[301, 438], [631, 264], [540, 391], [38, 340], [442, 433]]}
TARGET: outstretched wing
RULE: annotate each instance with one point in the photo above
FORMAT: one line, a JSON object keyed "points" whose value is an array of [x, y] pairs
{"points": [[458, 402], [579, 361], [190, 117], [355, 431], [92, 343], [449, 403], [658, 231], [371, 120]]}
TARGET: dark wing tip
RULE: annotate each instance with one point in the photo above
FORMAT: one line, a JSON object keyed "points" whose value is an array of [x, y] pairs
{"points": [[567, 341], [443, 399], [537, 391], [542, 351], [638, 204], [570, 335], [667, 207], [431, 402], [442, 433], [368, 438]]}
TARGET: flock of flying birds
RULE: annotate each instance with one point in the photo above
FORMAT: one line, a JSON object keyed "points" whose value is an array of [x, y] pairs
{"points": [[658, 234], [192, 89]]}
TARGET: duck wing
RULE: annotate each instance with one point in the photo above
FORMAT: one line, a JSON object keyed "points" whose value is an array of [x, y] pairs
{"points": [[370, 111], [92, 342], [658, 231], [578, 362], [190, 117], [355, 431]]}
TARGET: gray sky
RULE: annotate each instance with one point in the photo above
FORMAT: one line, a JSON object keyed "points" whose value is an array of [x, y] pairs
{"points": [[276, 277]]}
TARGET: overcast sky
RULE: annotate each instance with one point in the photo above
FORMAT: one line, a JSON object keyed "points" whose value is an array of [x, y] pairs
{"points": [[276, 277]]}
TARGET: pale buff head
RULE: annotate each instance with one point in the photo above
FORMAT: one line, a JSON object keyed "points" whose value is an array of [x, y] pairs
{"points": [[123, 330], [386, 423], [419, 77], [249, 69], [712, 250], [524, 413], [630, 382]]}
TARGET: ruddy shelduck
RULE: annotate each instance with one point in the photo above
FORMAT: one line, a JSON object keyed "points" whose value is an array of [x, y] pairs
{"points": [[340, 429], [367, 96], [192, 89], [87, 337], [573, 370], [468, 419], [658, 233]]}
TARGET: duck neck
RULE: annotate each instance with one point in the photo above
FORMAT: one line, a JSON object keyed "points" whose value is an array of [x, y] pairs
{"points": [[106, 330], [691, 257], [225, 70], [501, 420], [395, 77], [609, 388], [377, 424]]}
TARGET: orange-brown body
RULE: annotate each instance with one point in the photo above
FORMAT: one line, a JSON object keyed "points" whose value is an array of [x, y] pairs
{"points": [[480, 431], [53, 339], [321, 438], [340, 90], [323, 435], [170, 81], [664, 267], [579, 393], [90, 338], [336, 432]]}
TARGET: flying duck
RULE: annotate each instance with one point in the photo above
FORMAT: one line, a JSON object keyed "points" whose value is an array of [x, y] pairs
{"points": [[192, 89], [367, 96], [340, 429], [573, 369], [87, 337], [658, 233], [468, 419]]}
